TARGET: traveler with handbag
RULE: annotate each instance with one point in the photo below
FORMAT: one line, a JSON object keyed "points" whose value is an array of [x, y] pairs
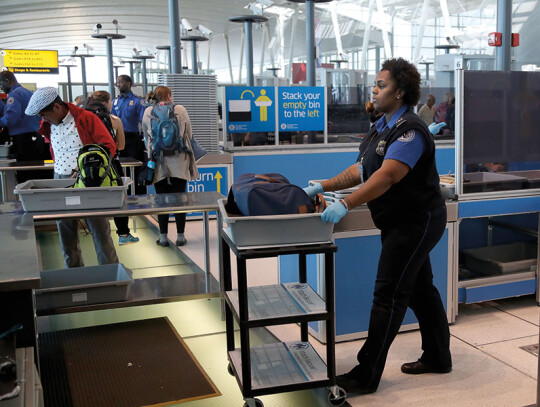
{"points": [[104, 98], [167, 133]]}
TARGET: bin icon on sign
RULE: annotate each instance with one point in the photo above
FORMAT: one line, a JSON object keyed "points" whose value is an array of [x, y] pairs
{"points": [[240, 110]]}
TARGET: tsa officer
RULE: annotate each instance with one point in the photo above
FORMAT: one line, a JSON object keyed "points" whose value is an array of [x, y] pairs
{"points": [[130, 109], [28, 145], [399, 182]]}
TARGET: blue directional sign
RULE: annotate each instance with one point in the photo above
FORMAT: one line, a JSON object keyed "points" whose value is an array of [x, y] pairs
{"points": [[301, 108], [211, 178], [250, 108]]}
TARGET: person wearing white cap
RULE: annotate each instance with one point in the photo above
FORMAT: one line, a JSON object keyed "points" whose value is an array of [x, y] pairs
{"points": [[68, 128]]}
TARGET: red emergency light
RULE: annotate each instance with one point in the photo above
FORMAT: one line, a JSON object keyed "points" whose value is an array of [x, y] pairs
{"points": [[515, 40], [495, 39]]}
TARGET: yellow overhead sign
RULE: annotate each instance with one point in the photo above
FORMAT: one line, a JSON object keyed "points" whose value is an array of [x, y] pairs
{"points": [[30, 61]]}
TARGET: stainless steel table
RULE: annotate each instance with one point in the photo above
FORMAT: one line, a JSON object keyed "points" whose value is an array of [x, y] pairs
{"points": [[22, 271]]}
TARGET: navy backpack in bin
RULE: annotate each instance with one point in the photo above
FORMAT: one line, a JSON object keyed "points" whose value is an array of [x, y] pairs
{"points": [[267, 194]]}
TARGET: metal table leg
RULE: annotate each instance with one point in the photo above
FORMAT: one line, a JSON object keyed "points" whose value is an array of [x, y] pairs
{"points": [[4, 188]]}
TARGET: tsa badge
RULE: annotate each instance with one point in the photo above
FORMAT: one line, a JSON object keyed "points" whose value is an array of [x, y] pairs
{"points": [[409, 136], [131, 102], [381, 147], [10, 100]]}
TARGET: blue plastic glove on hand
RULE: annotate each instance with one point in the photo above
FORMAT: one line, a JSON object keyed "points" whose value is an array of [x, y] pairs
{"points": [[334, 213], [313, 190], [435, 128]]}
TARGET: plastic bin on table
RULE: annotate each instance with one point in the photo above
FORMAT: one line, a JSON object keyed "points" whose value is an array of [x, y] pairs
{"points": [[83, 286], [4, 150], [56, 195], [270, 230], [533, 177], [490, 181]]}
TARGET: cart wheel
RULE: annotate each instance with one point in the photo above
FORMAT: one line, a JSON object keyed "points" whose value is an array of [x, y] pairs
{"points": [[253, 403], [230, 369], [339, 400]]}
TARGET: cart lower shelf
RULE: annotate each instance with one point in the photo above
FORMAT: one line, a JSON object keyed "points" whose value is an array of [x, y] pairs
{"points": [[280, 301], [276, 366]]}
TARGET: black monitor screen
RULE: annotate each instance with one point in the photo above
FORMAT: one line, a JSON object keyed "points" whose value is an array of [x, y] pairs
{"points": [[501, 113]]}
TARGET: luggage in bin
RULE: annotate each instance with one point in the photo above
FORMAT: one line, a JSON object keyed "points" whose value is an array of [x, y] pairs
{"points": [[265, 209], [267, 194]]}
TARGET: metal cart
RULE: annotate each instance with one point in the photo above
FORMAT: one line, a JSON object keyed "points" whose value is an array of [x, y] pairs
{"points": [[284, 366]]}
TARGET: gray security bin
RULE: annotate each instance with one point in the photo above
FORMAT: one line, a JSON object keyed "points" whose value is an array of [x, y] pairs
{"points": [[491, 181], [501, 259], [533, 177], [56, 195], [275, 230], [4, 150], [83, 286]]}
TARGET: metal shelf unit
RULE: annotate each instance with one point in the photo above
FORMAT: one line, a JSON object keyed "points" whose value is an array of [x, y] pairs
{"points": [[276, 305]]}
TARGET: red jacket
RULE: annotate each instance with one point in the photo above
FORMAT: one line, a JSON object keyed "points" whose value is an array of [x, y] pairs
{"points": [[90, 128]]}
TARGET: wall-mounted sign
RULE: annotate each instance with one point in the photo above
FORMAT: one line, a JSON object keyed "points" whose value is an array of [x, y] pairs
{"points": [[301, 108], [29, 61], [250, 108]]}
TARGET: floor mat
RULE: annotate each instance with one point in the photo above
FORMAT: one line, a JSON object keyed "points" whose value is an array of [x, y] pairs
{"points": [[129, 364]]}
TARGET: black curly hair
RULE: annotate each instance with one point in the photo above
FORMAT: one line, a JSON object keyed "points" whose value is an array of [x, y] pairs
{"points": [[406, 77]]}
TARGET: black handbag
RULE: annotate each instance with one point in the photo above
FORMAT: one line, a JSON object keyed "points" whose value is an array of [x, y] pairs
{"points": [[143, 174]]}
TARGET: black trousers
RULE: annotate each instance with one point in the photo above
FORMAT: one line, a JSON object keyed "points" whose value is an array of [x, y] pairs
{"points": [[30, 147], [135, 149], [167, 186], [405, 279]]}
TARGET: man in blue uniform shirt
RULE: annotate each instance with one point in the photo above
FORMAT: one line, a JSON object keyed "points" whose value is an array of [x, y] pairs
{"points": [[28, 145], [130, 109]]}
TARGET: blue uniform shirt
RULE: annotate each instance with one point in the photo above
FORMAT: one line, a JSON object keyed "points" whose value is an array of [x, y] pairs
{"points": [[14, 117], [408, 148], [130, 109]]}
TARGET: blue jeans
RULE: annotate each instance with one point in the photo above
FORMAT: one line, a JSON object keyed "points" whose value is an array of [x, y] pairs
{"points": [[69, 239]]}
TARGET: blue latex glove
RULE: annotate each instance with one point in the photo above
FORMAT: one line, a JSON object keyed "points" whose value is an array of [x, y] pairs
{"points": [[435, 128], [313, 190], [334, 213]]}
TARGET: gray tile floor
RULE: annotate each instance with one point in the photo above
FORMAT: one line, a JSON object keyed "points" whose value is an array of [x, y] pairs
{"points": [[490, 368]]}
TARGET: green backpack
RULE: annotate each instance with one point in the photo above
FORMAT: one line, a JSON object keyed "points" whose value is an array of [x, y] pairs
{"points": [[96, 168]]}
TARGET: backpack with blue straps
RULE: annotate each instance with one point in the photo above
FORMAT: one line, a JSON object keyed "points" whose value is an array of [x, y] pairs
{"points": [[166, 138]]}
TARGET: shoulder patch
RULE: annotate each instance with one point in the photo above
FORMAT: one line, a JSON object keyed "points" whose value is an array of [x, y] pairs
{"points": [[10, 100], [143, 102], [409, 136], [400, 122]]}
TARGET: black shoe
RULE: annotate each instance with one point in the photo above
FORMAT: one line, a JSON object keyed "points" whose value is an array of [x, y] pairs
{"points": [[351, 384], [162, 244], [420, 367], [181, 242]]}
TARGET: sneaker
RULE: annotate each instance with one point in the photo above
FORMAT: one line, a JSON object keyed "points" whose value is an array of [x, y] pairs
{"points": [[181, 242], [127, 239], [162, 244]]}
